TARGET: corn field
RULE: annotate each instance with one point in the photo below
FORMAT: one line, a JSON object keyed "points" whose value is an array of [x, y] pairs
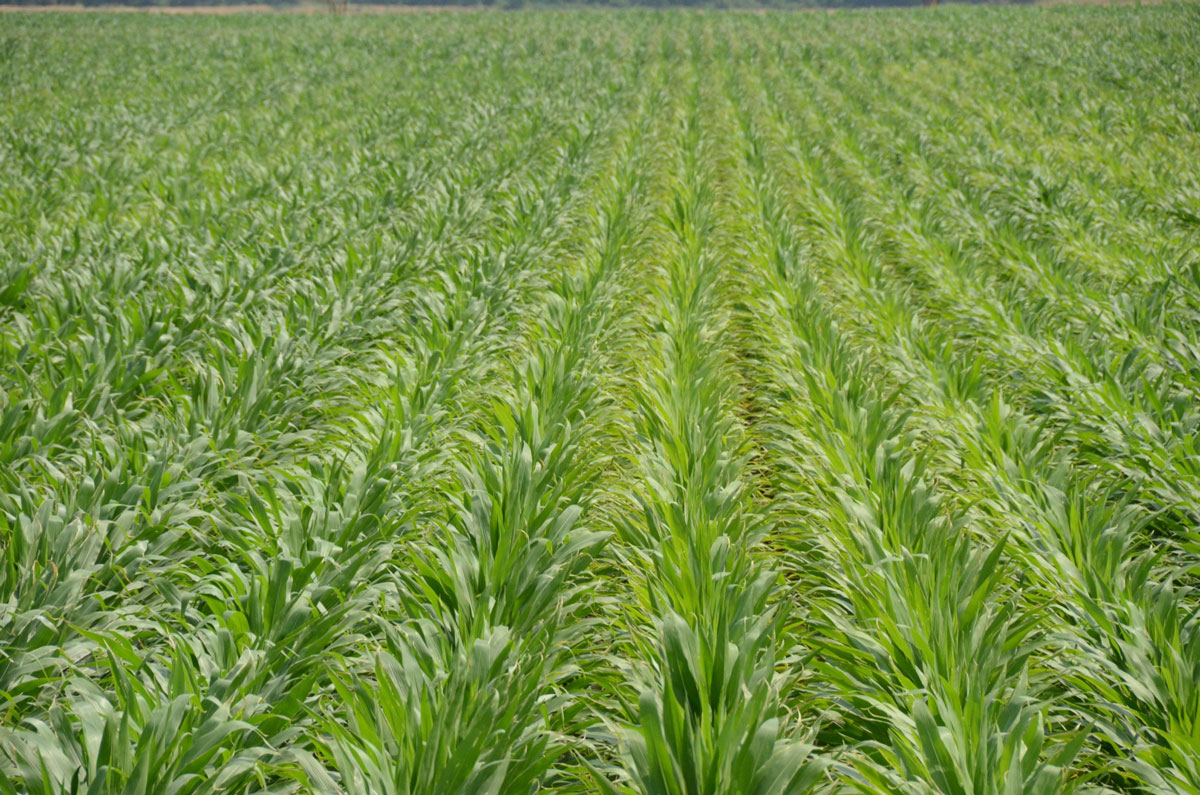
{"points": [[597, 402]]}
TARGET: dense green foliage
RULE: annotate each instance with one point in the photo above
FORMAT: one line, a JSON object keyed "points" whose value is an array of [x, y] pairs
{"points": [[344, 5], [646, 403]]}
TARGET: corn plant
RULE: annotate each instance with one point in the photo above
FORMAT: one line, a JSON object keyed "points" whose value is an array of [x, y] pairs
{"points": [[647, 403]]}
